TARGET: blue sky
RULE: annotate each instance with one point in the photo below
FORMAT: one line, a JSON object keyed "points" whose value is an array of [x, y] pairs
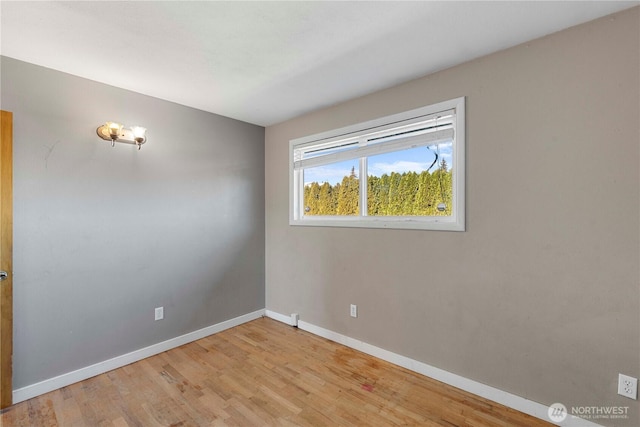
{"points": [[414, 159]]}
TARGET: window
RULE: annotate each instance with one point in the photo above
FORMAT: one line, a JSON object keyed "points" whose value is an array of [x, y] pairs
{"points": [[400, 171]]}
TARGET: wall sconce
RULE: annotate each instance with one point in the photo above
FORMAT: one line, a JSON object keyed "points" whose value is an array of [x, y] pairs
{"points": [[115, 132]]}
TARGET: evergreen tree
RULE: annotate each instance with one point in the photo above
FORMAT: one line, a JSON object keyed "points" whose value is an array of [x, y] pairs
{"points": [[382, 195], [348, 196], [408, 190], [373, 196], [325, 200], [335, 194], [406, 194], [443, 191], [312, 199], [443, 165], [422, 201], [395, 195]]}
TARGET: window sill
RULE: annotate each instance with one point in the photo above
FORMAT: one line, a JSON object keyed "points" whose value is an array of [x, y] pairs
{"points": [[400, 223]]}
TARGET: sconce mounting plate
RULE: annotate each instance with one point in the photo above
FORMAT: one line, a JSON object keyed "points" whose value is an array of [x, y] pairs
{"points": [[126, 136]]}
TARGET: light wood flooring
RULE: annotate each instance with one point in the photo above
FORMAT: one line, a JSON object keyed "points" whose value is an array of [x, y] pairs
{"points": [[262, 373]]}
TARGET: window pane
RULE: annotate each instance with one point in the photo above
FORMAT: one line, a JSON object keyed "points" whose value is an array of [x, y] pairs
{"points": [[332, 189], [412, 182]]}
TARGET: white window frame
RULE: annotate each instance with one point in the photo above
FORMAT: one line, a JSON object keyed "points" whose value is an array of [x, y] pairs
{"points": [[455, 222]]}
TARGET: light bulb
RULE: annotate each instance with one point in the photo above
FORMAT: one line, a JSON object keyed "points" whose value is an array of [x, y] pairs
{"points": [[114, 129], [138, 133]]}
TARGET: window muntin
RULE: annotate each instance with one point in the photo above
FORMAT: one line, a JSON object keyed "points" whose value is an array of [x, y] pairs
{"points": [[402, 171]]}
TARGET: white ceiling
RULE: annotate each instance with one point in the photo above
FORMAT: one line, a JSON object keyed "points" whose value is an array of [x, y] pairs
{"points": [[265, 62]]}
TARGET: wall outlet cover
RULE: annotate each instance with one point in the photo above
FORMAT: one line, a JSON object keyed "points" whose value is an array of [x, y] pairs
{"points": [[627, 386]]}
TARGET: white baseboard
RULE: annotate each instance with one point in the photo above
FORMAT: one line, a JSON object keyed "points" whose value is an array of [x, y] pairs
{"points": [[63, 380], [502, 397], [279, 317], [518, 403]]}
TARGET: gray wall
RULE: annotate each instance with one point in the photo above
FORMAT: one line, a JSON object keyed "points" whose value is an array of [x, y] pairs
{"points": [[104, 235], [540, 296]]}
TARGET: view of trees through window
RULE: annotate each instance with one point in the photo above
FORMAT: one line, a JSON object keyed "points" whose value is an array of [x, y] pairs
{"points": [[403, 171], [415, 182]]}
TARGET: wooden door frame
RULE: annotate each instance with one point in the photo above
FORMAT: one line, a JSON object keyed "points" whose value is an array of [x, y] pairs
{"points": [[6, 258]]}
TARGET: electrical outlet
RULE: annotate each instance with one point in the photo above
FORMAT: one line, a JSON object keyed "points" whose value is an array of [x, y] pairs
{"points": [[354, 310], [159, 313], [628, 386]]}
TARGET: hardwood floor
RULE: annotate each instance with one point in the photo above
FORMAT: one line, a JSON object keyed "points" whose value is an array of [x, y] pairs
{"points": [[262, 373]]}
